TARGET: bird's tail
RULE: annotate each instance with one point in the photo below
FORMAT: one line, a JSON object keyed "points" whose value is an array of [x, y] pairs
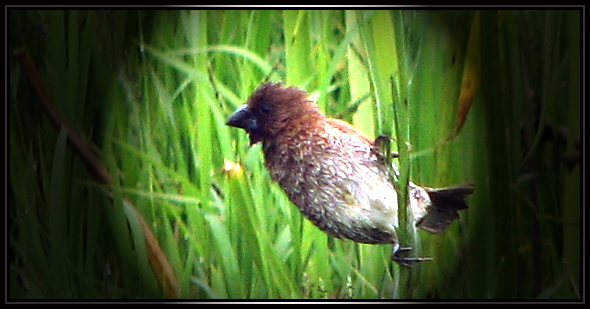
{"points": [[444, 208]]}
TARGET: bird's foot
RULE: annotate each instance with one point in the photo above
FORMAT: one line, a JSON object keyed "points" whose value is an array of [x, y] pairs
{"points": [[397, 256], [380, 142]]}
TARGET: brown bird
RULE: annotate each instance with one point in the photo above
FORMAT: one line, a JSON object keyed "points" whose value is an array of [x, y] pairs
{"points": [[336, 175]]}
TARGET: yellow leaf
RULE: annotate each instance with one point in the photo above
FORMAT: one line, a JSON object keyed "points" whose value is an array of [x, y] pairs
{"points": [[471, 73]]}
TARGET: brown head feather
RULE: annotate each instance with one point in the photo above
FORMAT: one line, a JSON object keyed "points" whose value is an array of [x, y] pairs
{"points": [[279, 108]]}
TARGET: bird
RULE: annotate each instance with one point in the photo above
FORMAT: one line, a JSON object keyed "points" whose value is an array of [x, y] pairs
{"points": [[336, 175]]}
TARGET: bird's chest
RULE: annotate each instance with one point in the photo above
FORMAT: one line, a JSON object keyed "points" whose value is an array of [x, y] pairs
{"points": [[300, 162], [336, 183]]}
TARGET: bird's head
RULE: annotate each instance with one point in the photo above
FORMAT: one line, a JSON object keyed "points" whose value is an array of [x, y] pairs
{"points": [[271, 110]]}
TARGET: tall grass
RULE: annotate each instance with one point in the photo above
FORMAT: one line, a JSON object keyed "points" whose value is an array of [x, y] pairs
{"points": [[151, 91]]}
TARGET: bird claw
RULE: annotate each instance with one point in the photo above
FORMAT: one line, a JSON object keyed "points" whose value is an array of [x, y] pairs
{"points": [[379, 143], [405, 260]]}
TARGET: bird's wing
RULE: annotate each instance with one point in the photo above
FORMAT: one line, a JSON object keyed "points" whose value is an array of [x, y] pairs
{"points": [[348, 129]]}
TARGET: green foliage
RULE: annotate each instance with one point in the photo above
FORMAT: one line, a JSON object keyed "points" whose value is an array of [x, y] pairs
{"points": [[153, 89]]}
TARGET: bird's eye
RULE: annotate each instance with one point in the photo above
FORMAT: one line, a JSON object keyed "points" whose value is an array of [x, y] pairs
{"points": [[265, 109]]}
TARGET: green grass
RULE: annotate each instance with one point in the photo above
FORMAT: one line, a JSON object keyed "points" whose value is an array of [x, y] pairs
{"points": [[151, 91]]}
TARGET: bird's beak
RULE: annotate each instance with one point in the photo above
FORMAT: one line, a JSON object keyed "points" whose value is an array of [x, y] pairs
{"points": [[244, 119]]}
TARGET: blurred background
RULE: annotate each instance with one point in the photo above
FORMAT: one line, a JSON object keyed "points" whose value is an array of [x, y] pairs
{"points": [[187, 210]]}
